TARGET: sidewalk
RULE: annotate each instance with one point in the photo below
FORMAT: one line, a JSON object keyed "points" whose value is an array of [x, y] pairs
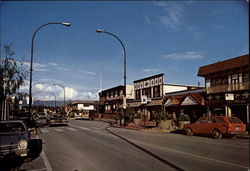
{"points": [[155, 129]]}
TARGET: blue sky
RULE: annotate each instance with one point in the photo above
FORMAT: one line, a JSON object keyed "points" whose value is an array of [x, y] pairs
{"points": [[170, 37]]}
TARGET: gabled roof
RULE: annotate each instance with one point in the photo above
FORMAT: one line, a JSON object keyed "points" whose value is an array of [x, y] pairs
{"points": [[224, 65]]}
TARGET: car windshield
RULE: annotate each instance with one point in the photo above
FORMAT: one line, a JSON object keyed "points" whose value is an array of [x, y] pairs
{"points": [[234, 120], [11, 127]]}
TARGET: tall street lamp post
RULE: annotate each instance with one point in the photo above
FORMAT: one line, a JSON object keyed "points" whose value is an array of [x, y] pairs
{"points": [[124, 50], [31, 57], [63, 95]]}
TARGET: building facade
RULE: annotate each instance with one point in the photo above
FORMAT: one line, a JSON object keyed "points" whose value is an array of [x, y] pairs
{"points": [[227, 87], [149, 95], [111, 100]]}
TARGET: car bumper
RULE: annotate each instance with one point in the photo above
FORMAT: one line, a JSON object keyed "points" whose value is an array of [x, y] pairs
{"points": [[237, 132], [14, 152]]}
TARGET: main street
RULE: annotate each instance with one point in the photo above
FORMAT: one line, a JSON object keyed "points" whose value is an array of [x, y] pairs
{"points": [[95, 145]]}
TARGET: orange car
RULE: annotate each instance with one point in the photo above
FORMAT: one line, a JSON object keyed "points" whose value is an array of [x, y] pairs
{"points": [[216, 126]]}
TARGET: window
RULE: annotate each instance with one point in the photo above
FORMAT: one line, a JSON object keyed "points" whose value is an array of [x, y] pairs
{"points": [[234, 120], [208, 83], [156, 91], [137, 94], [202, 120], [245, 77]]}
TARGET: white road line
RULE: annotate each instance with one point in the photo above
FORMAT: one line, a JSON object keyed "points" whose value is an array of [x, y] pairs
{"points": [[72, 129], [58, 130], [46, 161], [79, 127], [45, 130], [95, 128]]}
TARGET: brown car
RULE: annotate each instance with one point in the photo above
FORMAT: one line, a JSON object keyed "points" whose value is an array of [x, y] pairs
{"points": [[216, 126]]}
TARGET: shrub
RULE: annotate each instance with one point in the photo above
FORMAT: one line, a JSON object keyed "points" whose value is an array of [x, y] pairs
{"points": [[183, 117]]}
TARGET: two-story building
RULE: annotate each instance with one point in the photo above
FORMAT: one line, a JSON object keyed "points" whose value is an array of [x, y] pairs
{"points": [[227, 87], [111, 100], [149, 95]]}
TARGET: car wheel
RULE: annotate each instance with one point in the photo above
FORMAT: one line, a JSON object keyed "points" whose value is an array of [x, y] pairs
{"points": [[216, 134], [189, 132]]}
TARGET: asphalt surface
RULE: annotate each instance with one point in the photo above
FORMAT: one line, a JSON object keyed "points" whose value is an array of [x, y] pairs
{"points": [[95, 145]]}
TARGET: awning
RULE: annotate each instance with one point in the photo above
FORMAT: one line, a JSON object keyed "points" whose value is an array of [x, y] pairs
{"points": [[134, 104], [155, 103]]}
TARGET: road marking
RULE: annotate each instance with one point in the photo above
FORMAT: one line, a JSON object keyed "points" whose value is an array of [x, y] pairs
{"points": [[45, 130], [72, 129], [194, 155], [95, 128], [87, 129], [58, 130], [46, 161]]}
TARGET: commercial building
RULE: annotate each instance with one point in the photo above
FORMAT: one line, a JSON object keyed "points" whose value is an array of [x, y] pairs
{"points": [[227, 87], [149, 95], [111, 100]]}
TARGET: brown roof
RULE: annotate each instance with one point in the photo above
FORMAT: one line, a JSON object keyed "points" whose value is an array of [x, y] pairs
{"points": [[134, 104], [224, 65], [155, 102]]}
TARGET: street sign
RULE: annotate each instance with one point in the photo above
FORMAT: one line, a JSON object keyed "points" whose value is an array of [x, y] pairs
{"points": [[144, 99], [229, 96]]}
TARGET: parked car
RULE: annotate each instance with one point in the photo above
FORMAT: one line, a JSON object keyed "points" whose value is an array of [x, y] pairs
{"points": [[16, 145], [14, 138], [216, 126], [57, 120], [41, 119], [28, 120]]}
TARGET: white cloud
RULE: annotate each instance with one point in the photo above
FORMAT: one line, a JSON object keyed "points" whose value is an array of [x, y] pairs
{"points": [[148, 70], [185, 55], [173, 15]]}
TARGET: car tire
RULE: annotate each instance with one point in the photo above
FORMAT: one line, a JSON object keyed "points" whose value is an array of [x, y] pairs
{"points": [[216, 134], [189, 132]]}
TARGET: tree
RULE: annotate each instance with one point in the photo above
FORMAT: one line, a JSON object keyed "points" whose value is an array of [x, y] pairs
{"points": [[12, 72]]}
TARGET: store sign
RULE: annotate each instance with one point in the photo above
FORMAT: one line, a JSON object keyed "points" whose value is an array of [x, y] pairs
{"points": [[229, 96]]}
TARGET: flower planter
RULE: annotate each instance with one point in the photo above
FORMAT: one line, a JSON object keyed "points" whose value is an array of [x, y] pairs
{"points": [[137, 121], [182, 123], [164, 124]]}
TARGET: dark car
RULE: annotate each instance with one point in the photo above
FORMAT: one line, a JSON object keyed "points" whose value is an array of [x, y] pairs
{"points": [[14, 138], [28, 120], [16, 145], [217, 126], [57, 120]]}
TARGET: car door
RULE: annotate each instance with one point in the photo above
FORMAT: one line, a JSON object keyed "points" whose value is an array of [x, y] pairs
{"points": [[209, 125], [198, 127]]}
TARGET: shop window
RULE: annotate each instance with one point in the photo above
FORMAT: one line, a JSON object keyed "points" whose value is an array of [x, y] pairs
{"points": [[208, 83], [156, 91], [245, 77]]}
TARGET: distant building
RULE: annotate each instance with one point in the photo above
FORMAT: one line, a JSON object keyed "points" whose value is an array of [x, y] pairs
{"points": [[83, 106], [111, 100], [227, 87]]}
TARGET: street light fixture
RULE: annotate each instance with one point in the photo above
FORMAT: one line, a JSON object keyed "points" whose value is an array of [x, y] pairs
{"points": [[31, 57], [124, 50]]}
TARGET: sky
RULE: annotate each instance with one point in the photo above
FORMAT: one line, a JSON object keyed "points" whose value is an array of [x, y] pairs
{"points": [[170, 37]]}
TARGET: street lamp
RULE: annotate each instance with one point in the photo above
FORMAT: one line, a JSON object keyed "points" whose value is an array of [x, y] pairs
{"points": [[124, 50], [31, 57], [63, 95]]}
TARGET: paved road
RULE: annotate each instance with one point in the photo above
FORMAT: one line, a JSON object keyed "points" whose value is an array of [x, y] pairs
{"points": [[94, 145]]}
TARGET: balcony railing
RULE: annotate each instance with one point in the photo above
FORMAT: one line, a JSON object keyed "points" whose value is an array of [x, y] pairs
{"points": [[228, 88]]}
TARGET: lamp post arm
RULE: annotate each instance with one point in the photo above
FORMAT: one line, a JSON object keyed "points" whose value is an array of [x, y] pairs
{"points": [[125, 54], [31, 57]]}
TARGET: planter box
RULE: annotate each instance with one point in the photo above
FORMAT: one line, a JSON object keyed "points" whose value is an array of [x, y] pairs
{"points": [[118, 122], [137, 121], [182, 123], [167, 124]]}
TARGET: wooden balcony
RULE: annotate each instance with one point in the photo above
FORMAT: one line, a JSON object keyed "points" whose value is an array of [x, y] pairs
{"points": [[228, 88]]}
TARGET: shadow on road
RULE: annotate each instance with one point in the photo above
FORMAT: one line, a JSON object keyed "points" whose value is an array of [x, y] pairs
{"points": [[146, 151]]}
